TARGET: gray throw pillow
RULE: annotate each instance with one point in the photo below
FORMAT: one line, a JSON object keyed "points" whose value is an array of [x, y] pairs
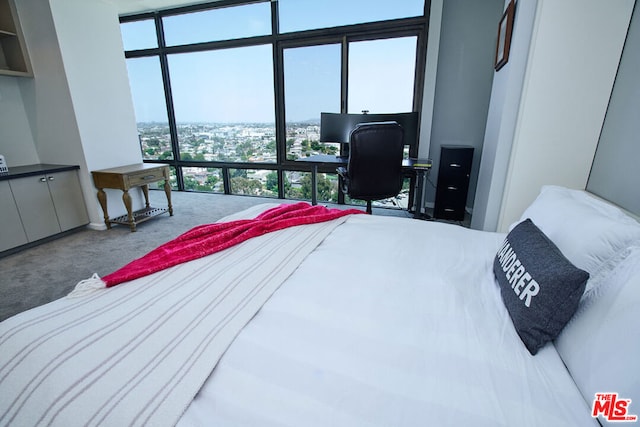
{"points": [[540, 287]]}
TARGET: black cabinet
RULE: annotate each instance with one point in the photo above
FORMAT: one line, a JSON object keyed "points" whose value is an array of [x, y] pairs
{"points": [[453, 182]]}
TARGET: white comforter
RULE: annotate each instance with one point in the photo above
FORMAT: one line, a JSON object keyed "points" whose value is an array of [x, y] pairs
{"points": [[390, 322]]}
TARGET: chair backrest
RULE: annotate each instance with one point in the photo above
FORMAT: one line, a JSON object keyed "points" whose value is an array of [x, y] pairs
{"points": [[375, 160]]}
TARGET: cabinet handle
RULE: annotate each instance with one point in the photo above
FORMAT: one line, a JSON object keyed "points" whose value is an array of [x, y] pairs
{"points": [[451, 187], [148, 177], [51, 178], [455, 165], [43, 179]]}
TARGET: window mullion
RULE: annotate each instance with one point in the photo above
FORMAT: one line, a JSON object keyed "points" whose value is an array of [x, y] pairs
{"points": [[344, 99], [418, 84], [278, 87], [173, 131], [344, 75]]}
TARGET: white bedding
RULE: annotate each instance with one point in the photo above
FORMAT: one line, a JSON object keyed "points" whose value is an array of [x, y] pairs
{"points": [[390, 322], [136, 354]]}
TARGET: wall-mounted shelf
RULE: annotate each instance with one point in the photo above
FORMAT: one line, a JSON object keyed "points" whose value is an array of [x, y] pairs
{"points": [[14, 60]]}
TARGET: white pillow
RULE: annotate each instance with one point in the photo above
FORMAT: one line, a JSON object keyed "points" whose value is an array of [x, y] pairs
{"points": [[590, 232], [601, 343]]}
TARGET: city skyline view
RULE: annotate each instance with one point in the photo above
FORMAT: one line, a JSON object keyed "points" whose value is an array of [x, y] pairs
{"points": [[255, 142]]}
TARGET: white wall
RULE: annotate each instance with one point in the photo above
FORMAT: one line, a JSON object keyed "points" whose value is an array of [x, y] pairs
{"points": [[91, 47], [46, 97], [575, 49], [16, 140], [615, 173]]}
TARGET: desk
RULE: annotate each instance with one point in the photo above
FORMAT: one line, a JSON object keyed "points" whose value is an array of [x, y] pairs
{"points": [[125, 177], [408, 165]]}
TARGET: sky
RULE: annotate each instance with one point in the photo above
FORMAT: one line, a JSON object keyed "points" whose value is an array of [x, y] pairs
{"points": [[236, 85]]}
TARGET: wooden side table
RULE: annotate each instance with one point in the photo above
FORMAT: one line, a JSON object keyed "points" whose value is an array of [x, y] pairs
{"points": [[125, 177]]}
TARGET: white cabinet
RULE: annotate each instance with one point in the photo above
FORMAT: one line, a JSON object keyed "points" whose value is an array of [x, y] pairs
{"points": [[11, 231], [34, 203], [68, 201], [40, 205]]}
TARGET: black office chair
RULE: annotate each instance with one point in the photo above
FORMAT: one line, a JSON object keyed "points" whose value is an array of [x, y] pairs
{"points": [[374, 171]]}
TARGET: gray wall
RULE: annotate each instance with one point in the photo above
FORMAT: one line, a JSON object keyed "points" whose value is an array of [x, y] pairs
{"points": [[501, 121], [463, 82], [615, 174]]}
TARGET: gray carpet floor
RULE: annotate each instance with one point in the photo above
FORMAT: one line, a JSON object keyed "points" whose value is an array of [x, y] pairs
{"points": [[49, 271]]}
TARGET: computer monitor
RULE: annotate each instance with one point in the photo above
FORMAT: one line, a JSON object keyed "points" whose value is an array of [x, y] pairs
{"points": [[335, 127]]}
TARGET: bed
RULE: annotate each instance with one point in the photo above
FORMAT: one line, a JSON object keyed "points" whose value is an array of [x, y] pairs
{"points": [[357, 321]]}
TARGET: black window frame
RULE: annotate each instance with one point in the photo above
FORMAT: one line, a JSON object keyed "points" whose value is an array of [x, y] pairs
{"points": [[344, 35]]}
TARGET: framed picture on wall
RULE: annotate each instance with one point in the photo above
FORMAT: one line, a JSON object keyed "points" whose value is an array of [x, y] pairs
{"points": [[505, 28]]}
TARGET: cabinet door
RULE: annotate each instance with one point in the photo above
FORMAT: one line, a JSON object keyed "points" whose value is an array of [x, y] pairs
{"points": [[67, 199], [35, 206], [11, 231]]}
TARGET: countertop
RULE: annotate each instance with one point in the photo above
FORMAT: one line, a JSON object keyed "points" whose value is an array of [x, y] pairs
{"points": [[37, 169]]}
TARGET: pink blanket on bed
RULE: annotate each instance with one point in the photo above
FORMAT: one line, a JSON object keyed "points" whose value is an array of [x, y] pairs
{"points": [[210, 238]]}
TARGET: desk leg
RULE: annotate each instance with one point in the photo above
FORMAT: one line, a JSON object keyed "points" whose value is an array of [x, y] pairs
{"points": [[167, 191], [102, 198], [126, 198], [420, 178], [145, 191], [314, 185]]}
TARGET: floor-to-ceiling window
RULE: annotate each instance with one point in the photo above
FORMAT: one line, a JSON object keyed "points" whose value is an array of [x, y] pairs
{"points": [[229, 93]]}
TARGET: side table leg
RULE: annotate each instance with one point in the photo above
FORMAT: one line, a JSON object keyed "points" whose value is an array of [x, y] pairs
{"points": [[102, 198], [126, 198], [145, 191], [167, 191]]}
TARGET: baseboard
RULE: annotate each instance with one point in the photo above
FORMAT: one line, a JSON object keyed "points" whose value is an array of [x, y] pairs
{"points": [[35, 243], [97, 226]]}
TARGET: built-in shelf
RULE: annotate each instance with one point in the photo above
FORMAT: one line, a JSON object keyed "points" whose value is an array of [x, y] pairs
{"points": [[4, 33], [14, 60]]}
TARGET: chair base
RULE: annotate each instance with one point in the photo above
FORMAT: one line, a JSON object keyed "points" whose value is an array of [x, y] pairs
{"points": [[369, 210]]}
